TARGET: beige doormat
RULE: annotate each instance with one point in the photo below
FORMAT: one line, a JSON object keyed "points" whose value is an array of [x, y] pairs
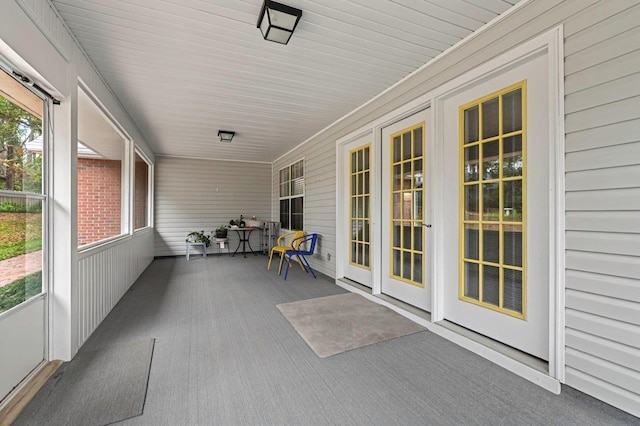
{"points": [[335, 324]]}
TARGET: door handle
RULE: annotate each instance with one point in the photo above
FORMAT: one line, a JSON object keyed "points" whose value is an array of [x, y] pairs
{"points": [[427, 225]]}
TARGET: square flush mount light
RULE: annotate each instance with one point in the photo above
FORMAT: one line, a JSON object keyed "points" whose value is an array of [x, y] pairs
{"points": [[225, 135], [277, 21]]}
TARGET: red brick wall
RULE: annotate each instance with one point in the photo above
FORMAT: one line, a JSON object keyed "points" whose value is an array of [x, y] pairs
{"points": [[142, 188], [99, 199]]}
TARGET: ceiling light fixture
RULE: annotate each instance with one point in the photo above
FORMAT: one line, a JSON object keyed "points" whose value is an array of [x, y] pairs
{"points": [[277, 21], [225, 135]]}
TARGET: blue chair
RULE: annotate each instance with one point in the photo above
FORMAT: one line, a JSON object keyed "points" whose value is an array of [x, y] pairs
{"points": [[309, 242]]}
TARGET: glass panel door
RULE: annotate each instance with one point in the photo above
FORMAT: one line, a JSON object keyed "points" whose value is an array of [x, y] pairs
{"points": [[406, 256]]}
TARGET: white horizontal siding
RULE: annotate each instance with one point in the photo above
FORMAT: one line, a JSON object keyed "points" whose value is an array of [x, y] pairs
{"points": [[625, 378], [603, 203], [605, 178], [604, 242], [617, 331], [193, 195]]}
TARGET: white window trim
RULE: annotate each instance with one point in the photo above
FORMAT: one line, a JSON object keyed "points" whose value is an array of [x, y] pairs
{"points": [[290, 197], [126, 190], [149, 212]]}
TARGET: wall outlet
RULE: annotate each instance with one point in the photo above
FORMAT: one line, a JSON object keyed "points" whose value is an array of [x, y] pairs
{"points": [[328, 256]]}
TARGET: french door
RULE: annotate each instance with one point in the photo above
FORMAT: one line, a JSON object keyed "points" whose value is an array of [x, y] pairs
{"points": [[406, 257], [497, 199]]}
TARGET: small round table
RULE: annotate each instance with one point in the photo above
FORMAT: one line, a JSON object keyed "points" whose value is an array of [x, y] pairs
{"points": [[244, 240]]}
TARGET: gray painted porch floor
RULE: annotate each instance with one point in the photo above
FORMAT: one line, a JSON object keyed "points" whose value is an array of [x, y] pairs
{"points": [[224, 354]]}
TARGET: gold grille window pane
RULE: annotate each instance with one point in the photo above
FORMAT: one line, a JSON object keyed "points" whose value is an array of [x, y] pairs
{"points": [[417, 174], [407, 211], [396, 262], [406, 145], [472, 280], [353, 162], [366, 182], [491, 285], [490, 118], [354, 252], [366, 206], [417, 142], [418, 205], [512, 111], [366, 255], [471, 241], [471, 202], [471, 158], [512, 194], [406, 237], [512, 245], [360, 183], [407, 178], [406, 265], [396, 234], [397, 206], [491, 160], [512, 290], [397, 149], [417, 237], [397, 177], [512, 156], [366, 237], [490, 201], [417, 267], [366, 158], [360, 207], [491, 243], [471, 125], [354, 186]]}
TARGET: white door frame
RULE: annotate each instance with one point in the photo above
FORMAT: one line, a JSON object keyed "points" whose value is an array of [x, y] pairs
{"points": [[550, 42]]}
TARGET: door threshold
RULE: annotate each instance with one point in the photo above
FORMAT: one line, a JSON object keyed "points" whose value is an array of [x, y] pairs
{"points": [[395, 302], [515, 354]]}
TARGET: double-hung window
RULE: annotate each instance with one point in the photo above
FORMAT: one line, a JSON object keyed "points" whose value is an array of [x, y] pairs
{"points": [[292, 196]]}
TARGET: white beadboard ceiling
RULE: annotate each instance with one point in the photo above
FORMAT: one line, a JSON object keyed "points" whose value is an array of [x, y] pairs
{"points": [[184, 69]]}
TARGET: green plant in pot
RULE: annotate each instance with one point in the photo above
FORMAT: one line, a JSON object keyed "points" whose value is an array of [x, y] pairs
{"points": [[198, 237], [221, 231]]}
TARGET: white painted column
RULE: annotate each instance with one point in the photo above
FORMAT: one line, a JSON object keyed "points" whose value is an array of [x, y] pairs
{"points": [[63, 227]]}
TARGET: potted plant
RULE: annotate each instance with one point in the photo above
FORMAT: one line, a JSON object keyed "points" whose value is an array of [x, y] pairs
{"points": [[198, 237], [221, 231]]}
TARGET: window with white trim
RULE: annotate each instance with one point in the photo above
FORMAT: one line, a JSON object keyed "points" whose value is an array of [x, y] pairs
{"points": [[141, 179], [292, 196]]}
